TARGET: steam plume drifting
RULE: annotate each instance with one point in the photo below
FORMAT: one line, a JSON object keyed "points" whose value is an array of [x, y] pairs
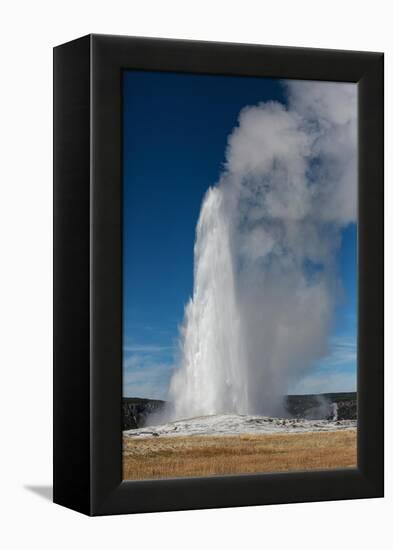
{"points": [[265, 281]]}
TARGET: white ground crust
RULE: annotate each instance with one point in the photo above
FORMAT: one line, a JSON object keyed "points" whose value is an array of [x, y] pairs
{"points": [[230, 424]]}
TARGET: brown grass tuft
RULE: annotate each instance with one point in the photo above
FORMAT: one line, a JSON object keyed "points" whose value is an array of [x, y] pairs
{"points": [[196, 456]]}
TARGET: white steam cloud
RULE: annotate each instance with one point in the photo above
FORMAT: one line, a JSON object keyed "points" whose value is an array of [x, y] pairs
{"points": [[265, 281]]}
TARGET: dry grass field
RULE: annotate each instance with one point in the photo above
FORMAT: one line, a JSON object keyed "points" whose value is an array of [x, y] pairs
{"points": [[163, 457]]}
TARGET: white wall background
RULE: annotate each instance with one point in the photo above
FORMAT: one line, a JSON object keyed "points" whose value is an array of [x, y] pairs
{"points": [[28, 31]]}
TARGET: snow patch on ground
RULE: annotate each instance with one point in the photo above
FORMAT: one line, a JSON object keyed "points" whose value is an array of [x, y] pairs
{"points": [[231, 424]]}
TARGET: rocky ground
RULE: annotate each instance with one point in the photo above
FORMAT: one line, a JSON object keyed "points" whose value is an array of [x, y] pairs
{"points": [[230, 424]]}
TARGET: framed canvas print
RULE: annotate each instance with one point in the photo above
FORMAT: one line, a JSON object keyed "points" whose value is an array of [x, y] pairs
{"points": [[218, 275]]}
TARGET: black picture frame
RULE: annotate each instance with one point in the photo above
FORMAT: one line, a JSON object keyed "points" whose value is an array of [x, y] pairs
{"points": [[88, 274]]}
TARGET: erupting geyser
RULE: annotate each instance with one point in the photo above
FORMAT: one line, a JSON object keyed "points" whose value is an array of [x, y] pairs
{"points": [[265, 281]]}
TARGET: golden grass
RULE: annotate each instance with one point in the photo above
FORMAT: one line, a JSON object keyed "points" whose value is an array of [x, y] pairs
{"points": [[193, 456]]}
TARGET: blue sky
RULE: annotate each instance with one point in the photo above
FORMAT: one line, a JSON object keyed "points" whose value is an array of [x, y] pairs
{"points": [[175, 128]]}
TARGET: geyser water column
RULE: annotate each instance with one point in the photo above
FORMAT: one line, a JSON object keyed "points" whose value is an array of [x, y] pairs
{"points": [[265, 281], [210, 379]]}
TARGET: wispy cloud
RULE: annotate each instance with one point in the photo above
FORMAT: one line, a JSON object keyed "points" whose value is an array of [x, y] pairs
{"points": [[137, 348], [335, 381], [147, 370], [336, 372], [343, 352], [149, 381]]}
